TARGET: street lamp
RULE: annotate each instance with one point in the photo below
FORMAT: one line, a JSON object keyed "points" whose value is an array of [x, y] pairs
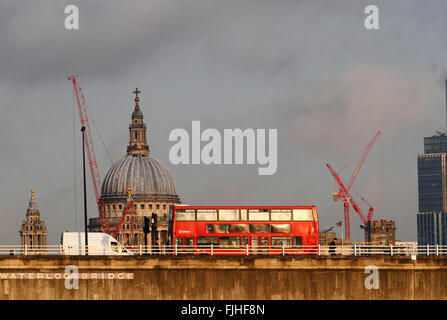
{"points": [[85, 191]]}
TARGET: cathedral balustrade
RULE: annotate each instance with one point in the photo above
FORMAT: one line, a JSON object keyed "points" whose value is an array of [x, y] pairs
{"points": [[114, 221]]}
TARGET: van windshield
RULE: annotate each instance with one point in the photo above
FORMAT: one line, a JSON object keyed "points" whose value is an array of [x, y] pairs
{"points": [[116, 247]]}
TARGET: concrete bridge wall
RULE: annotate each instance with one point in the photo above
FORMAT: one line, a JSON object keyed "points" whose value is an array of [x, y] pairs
{"points": [[208, 277]]}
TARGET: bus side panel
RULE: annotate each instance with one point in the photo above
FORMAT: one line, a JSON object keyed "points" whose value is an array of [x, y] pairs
{"points": [[308, 231], [184, 229]]}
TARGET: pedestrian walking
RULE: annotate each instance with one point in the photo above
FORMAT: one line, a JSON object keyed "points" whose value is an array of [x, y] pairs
{"points": [[332, 246]]}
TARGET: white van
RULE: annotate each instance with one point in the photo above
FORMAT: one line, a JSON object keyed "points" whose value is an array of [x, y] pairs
{"points": [[99, 243]]}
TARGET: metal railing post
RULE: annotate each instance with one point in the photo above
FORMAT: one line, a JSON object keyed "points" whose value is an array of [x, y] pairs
{"points": [[211, 249], [428, 250], [26, 249], [283, 249], [355, 249], [437, 250], [391, 248], [141, 250], [319, 249], [247, 249], [175, 248]]}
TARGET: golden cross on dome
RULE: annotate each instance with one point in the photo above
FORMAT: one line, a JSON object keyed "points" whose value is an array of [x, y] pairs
{"points": [[32, 193], [136, 93]]}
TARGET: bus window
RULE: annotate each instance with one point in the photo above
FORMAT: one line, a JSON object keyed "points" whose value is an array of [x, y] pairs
{"points": [[281, 214], [229, 215], [259, 228], [229, 242], [185, 215], [244, 214], [297, 242], [281, 228], [258, 215], [179, 241], [217, 228], [244, 241], [238, 228], [206, 241], [303, 215], [206, 215], [280, 241]]}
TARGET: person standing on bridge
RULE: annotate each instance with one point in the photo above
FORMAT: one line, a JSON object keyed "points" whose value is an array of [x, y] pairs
{"points": [[332, 246]]}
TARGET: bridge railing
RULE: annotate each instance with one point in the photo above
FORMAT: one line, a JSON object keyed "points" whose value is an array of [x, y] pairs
{"points": [[214, 249]]}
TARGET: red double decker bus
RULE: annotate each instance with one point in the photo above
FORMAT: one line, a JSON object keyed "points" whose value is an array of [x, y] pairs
{"points": [[244, 230]]}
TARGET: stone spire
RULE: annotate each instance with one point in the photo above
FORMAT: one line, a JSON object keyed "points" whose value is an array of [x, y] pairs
{"points": [[33, 231], [137, 130]]}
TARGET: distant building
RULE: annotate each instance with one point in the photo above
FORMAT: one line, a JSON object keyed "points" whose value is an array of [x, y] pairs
{"points": [[326, 237], [406, 247], [432, 179], [409, 244], [33, 232], [382, 232]]}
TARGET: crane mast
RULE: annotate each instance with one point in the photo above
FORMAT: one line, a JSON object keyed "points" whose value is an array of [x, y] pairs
{"points": [[342, 196], [127, 210]]}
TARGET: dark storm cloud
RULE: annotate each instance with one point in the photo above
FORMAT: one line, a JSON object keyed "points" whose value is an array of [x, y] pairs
{"points": [[36, 47], [115, 36], [307, 68]]}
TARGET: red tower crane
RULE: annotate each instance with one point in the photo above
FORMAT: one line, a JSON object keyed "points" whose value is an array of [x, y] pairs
{"points": [[127, 210], [346, 201], [344, 195], [94, 171]]}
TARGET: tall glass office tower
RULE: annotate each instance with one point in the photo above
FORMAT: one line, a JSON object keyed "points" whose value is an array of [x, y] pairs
{"points": [[432, 180]]}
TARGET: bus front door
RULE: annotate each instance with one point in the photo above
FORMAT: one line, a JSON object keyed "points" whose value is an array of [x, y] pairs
{"points": [[254, 245], [259, 245], [189, 242], [264, 245], [185, 245], [180, 245]]}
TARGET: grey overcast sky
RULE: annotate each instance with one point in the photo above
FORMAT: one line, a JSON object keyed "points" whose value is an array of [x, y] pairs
{"points": [[308, 68]]}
